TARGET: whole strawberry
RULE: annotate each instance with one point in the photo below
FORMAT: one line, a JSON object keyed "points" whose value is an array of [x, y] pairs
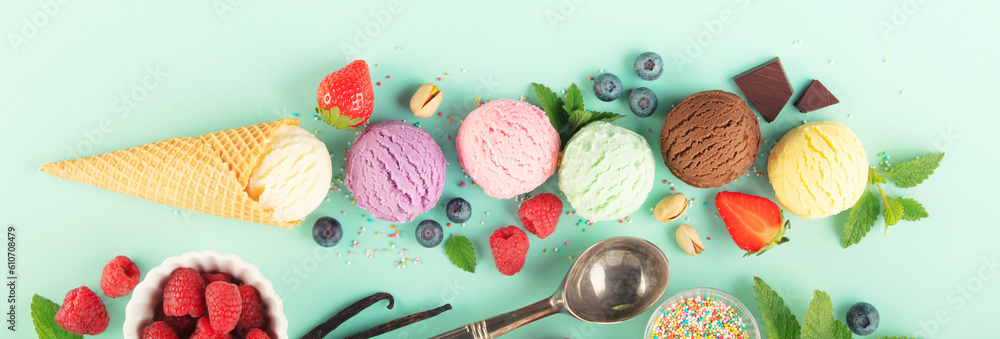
{"points": [[345, 98], [119, 277], [224, 304], [540, 214], [509, 246], [83, 312], [753, 222]]}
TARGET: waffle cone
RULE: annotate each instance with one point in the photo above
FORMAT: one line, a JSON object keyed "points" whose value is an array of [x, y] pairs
{"points": [[207, 173]]}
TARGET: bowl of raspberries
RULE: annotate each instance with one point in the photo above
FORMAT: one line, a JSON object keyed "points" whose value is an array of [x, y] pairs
{"points": [[202, 295]]}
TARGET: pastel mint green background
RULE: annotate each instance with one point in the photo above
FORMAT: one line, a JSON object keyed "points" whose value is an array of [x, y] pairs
{"points": [[914, 77]]}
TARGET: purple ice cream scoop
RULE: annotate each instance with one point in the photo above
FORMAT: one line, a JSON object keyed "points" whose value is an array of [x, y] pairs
{"points": [[395, 171]]}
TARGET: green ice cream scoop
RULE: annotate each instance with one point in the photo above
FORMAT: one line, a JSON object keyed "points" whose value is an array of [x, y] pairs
{"points": [[606, 171]]}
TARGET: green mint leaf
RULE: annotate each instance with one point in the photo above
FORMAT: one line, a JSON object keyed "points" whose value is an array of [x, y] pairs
{"points": [[574, 99], [894, 337], [892, 210], [860, 219], [819, 322], [580, 118], [912, 210], [779, 321], [43, 315], [913, 172], [605, 116], [552, 104], [874, 177], [461, 253], [577, 119]]}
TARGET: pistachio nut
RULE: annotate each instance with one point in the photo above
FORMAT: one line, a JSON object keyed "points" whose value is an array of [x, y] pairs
{"points": [[689, 240], [425, 101], [670, 208]]}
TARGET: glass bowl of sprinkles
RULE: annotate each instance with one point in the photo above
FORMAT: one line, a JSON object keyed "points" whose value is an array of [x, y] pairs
{"points": [[702, 313]]}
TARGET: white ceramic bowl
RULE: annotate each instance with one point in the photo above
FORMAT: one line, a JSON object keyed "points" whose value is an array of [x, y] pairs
{"points": [[149, 292], [752, 331]]}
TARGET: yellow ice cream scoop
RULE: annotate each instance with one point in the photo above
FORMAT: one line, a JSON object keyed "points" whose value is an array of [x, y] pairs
{"points": [[818, 169]]}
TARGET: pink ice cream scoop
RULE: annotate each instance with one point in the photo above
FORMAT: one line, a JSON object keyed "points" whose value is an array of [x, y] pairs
{"points": [[508, 147], [395, 171]]}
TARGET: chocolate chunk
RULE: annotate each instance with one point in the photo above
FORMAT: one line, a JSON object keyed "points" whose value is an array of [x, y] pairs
{"points": [[767, 87], [815, 97]]}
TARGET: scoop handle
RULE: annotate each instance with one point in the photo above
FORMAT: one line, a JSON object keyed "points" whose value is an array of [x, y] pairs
{"points": [[501, 324]]}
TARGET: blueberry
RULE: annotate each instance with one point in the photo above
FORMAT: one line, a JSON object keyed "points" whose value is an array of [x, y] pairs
{"points": [[648, 66], [458, 210], [327, 232], [607, 87], [429, 233], [642, 101], [862, 318]]}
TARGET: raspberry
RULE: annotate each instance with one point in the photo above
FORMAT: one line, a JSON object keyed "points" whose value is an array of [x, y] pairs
{"points": [[204, 331], [159, 330], [252, 315], [119, 277], [83, 312], [509, 246], [184, 293], [183, 325], [540, 214], [224, 305], [257, 334], [213, 277]]}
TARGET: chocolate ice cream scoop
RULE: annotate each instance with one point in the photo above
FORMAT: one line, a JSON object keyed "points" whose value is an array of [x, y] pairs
{"points": [[710, 139]]}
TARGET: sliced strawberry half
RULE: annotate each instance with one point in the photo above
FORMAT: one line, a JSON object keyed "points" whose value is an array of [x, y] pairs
{"points": [[345, 98], [753, 222]]}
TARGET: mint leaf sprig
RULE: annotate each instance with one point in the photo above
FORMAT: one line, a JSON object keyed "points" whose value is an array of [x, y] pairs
{"points": [[460, 252], [819, 322], [43, 315], [569, 112], [909, 174]]}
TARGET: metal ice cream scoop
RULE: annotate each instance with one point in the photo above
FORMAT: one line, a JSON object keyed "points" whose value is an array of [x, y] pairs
{"points": [[614, 280]]}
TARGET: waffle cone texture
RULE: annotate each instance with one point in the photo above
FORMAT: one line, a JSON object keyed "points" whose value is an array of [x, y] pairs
{"points": [[208, 173]]}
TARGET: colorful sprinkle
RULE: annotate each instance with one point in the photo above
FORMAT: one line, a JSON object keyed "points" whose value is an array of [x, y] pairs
{"points": [[698, 317]]}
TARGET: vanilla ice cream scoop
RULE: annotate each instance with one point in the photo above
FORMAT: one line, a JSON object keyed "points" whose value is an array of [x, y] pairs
{"points": [[818, 169], [293, 176]]}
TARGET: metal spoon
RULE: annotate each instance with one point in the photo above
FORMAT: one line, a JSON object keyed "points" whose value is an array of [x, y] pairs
{"points": [[614, 280]]}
